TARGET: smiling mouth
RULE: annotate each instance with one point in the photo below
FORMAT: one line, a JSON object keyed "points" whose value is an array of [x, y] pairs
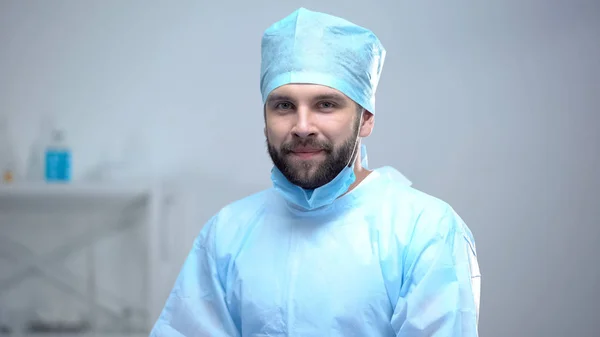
{"points": [[306, 154]]}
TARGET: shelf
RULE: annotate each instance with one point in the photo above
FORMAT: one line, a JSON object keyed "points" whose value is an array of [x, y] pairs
{"points": [[82, 197]]}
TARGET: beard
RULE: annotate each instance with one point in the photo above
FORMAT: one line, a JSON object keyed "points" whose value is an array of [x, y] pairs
{"points": [[311, 174]]}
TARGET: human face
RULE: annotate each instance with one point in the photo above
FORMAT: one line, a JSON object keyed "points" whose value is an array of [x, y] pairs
{"points": [[311, 132]]}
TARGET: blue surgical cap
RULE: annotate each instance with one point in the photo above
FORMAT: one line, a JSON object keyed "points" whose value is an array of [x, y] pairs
{"points": [[316, 48]]}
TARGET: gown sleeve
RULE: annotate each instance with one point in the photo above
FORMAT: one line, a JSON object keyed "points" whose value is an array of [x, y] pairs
{"points": [[196, 305], [440, 293]]}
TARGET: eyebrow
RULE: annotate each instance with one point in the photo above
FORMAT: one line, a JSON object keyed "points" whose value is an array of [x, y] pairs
{"points": [[278, 97], [332, 96]]}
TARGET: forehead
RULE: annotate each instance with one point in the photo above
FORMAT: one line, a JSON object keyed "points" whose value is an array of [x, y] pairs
{"points": [[306, 92]]}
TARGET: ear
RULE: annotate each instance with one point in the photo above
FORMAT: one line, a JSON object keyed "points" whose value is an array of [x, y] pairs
{"points": [[368, 122]]}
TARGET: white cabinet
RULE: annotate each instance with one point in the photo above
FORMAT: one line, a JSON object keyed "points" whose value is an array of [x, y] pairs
{"points": [[84, 256]]}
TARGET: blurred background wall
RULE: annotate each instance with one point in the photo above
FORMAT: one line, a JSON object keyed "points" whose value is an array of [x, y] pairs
{"points": [[491, 106]]}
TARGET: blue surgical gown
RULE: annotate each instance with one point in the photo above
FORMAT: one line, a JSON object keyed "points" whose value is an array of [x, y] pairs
{"points": [[383, 260]]}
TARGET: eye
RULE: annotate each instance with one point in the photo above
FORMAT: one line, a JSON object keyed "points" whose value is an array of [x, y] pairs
{"points": [[283, 106], [325, 105]]}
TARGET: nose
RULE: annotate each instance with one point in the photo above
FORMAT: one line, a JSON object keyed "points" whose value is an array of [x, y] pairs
{"points": [[304, 126]]}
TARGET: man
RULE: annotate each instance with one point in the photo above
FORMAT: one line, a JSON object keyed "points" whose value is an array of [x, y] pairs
{"points": [[334, 249]]}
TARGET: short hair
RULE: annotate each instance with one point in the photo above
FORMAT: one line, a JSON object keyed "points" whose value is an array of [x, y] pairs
{"points": [[359, 109]]}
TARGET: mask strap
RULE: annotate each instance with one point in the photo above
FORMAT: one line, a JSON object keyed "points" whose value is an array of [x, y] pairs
{"points": [[356, 141]]}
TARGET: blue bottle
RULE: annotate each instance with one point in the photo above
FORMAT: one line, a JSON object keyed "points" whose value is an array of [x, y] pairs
{"points": [[57, 159]]}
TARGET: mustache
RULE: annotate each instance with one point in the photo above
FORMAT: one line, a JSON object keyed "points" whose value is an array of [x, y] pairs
{"points": [[306, 143]]}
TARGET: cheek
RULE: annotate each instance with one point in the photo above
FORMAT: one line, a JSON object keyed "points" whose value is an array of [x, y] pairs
{"points": [[274, 135], [339, 134], [336, 126], [278, 129]]}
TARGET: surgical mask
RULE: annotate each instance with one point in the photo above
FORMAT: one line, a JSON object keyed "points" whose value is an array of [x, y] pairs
{"points": [[321, 196]]}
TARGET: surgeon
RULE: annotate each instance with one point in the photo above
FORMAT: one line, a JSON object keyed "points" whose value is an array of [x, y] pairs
{"points": [[333, 248]]}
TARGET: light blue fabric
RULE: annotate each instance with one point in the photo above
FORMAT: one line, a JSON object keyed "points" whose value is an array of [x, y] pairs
{"points": [[318, 48], [382, 260], [321, 196]]}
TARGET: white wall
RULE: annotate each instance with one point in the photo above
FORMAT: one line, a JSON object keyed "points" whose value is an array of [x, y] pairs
{"points": [[490, 106]]}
